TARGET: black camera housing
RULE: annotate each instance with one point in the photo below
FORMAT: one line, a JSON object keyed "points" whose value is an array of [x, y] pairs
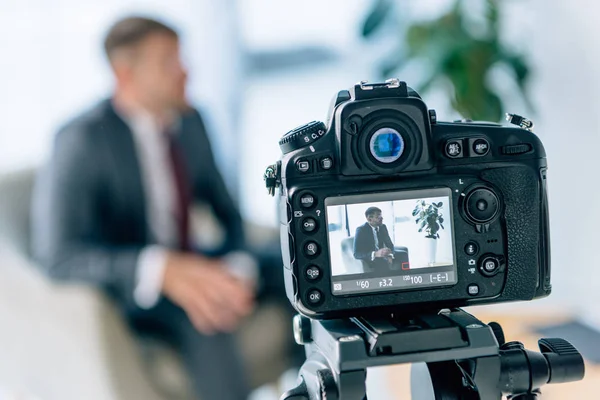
{"points": [[470, 161]]}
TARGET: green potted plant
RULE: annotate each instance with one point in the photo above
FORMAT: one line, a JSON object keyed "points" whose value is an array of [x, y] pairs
{"points": [[430, 218], [459, 55]]}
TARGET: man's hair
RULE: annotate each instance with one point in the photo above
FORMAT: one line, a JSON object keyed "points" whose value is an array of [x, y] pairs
{"points": [[371, 211], [128, 32]]}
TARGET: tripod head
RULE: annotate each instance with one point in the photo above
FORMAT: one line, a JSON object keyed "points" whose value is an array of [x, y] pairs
{"points": [[466, 359]]}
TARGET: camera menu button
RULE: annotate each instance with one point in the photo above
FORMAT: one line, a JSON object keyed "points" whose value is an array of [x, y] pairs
{"points": [[307, 200], [314, 297]]}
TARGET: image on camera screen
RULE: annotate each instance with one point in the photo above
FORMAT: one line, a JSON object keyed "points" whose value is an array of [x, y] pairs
{"points": [[391, 241]]}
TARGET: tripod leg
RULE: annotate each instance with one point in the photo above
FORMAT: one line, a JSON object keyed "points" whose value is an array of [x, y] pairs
{"points": [[300, 392], [318, 381], [452, 380], [447, 382], [352, 385]]}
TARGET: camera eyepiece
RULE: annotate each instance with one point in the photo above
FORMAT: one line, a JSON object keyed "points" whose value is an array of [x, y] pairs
{"points": [[386, 145]]}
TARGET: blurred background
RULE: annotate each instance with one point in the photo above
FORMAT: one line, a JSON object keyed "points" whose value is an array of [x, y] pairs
{"points": [[258, 68]]}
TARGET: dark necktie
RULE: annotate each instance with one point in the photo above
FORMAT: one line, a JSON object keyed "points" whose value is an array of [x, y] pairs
{"points": [[182, 192], [380, 238]]}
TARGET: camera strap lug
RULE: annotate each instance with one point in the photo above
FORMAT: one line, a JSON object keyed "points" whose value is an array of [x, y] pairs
{"points": [[520, 121], [272, 177]]}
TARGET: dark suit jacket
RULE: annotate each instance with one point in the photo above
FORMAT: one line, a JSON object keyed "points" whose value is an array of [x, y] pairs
{"points": [[89, 217], [364, 242]]}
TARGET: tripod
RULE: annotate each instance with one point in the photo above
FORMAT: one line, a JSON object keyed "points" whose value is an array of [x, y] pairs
{"points": [[466, 359]]}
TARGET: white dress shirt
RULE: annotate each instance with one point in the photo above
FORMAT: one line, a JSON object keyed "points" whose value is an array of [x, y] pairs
{"points": [[161, 211], [375, 230], [159, 189]]}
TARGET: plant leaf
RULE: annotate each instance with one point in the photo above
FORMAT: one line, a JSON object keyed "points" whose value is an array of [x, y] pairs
{"points": [[376, 17]]}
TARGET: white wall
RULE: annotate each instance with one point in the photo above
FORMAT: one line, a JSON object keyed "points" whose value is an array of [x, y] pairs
{"points": [[565, 47]]}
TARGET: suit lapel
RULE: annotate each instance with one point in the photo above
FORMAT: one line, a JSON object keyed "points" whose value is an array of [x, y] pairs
{"points": [[128, 175], [369, 229]]}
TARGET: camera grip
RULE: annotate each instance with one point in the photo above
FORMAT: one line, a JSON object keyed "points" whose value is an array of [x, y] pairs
{"points": [[520, 187]]}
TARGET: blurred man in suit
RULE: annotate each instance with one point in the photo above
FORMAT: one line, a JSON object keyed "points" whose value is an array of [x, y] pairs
{"points": [[112, 209], [372, 243]]}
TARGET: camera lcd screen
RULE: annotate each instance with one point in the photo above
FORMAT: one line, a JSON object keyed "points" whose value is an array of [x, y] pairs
{"points": [[391, 241]]}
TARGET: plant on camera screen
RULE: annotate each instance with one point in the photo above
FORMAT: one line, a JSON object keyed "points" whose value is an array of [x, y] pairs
{"points": [[430, 217], [458, 52]]}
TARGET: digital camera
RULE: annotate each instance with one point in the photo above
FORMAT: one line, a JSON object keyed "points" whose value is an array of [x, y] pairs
{"points": [[385, 209]]}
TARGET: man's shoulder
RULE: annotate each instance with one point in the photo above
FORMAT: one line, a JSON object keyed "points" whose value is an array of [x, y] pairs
{"points": [[93, 117], [361, 227], [88, 124], [193, 120]]}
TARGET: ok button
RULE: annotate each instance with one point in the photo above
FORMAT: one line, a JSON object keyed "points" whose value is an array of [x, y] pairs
{"points": [[309, 225], [314, 297]]}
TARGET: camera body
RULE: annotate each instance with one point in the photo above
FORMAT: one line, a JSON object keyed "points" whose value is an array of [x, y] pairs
{"points": [[385, 209]]}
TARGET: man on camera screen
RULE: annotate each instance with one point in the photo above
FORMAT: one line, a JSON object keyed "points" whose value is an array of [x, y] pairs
{"points": [[372, 242]]}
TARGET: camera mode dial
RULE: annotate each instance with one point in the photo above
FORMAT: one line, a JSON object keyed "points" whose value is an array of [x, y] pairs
{"points": [[302, 136]]}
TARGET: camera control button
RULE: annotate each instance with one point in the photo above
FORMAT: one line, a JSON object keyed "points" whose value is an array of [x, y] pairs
{"points": [[303, 166], [313, 273], [473, 289], [482, 205], [481, 147], [326, 163], [314, 297], [454, 149], [311, 249], [302, 136], [489, 266], [471, 248], [309, 224], [307, 200]]}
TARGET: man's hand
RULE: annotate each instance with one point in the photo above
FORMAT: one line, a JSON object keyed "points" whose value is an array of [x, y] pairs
{"points": [[213, 299], [385, 252]]}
